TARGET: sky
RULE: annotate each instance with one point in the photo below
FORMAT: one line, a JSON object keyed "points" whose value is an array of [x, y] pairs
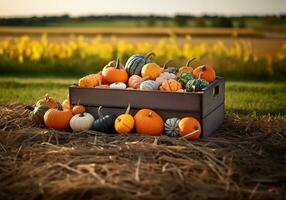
{"points": [[138, 7]]}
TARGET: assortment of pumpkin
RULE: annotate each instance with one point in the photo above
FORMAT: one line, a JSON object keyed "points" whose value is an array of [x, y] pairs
{"points": [[141, 73]]}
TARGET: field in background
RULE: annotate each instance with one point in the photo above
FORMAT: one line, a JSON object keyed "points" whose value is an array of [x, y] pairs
{"points": [[256, 98]]}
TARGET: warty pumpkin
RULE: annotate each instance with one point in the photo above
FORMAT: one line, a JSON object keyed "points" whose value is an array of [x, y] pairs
{"points": [[57, 118], [81, 122], [184, 78], [49, 101], [86, 81], [148, 122], [115, 74], [124, 123], [105, 123], [190, 128], [135, 63], [205, 72], [187, 68], [170, 86], [196, 85]]}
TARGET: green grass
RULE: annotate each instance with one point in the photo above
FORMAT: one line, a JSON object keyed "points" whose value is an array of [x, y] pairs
{"points": [[258, 98]]}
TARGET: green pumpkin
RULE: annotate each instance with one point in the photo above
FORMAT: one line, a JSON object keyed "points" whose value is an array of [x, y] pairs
{"points": [[185, 78], [135, 63], [149, 85], [196, 85], [172, 127], [173, 70], [37, 113], [104, 123]]}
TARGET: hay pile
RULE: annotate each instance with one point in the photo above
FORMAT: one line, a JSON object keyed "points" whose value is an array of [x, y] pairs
{"points": [[245, 159]]}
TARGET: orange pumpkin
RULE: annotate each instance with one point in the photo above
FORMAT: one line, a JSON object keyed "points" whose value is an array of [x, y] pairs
{"points": [[151, 70], [115, 74], [57, 118], [190, 128], [205, 72], [97, 78], [66, 104], [171, 85], [187, 68], [49, 101], [78, 109], [148, 122], [86, 82]]}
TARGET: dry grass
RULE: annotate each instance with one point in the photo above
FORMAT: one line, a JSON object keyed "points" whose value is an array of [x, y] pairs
{"points": [[245, 159]]}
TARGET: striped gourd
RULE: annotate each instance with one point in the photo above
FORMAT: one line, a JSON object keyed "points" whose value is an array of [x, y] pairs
{"points": [[135, 63], [149, 85], [196, 85], [172, 127]]}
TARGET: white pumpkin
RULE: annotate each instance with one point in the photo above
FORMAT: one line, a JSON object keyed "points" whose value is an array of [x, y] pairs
{"points": [[118, 85], [164, 77], [81, 122], [149, 85]]}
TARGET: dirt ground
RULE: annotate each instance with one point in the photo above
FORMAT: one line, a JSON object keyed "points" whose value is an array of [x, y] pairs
{"points": [[244, 159]]}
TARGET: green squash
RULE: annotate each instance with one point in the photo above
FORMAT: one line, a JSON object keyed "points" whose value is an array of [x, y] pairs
{"points": [[149, 85], [135, 63], [185, 78], [172, 127], [196, 85], [37, 113], [104, 123]]}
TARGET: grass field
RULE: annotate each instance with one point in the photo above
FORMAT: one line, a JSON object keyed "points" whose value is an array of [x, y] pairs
{"points": [[241, 97]]}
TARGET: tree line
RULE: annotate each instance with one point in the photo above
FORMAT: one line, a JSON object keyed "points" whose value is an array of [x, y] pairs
{"points": [[151, 20]]}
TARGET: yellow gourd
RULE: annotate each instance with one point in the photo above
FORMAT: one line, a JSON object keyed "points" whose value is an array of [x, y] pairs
{"points": [[124, 123], [152, 70]]}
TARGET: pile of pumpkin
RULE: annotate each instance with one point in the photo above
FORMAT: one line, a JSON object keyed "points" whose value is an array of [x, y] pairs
{"points": [[144, 74], [49, 112]]}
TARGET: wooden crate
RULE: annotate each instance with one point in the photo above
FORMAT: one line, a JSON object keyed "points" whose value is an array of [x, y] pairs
{"points": [[207, 106]]}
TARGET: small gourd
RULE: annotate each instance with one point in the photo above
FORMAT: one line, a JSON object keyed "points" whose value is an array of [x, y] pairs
{"points": [[149, 85], [124, 123], [134, 81], [37, 113], [151, 70], [172, 127], [196, 85], [190, 128], [170, 86], [185, 77], [118, 85], [105, 123], [49, 101], [115, 74], [187, 68], [205, 72], [164, 77], [86, 81], [81, 122]]}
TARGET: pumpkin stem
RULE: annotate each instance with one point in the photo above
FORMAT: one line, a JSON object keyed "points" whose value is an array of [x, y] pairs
{"points": [[47, 96], [190, 135], [128, 109], [81, 114], [150, 114], [78, 102], [204, 68], [150, 54], [200, 74], [166, 63], [117, 63], [29, 108], [190, 61], [99, 112]]}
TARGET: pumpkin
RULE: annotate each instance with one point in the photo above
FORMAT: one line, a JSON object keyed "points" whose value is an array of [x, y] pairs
{"points": [[86, 81], [119, 85], [81, 122], [37, 113], [196, 85], [96, 78], [171, 86], [151, 70], [185, 77], [135, 63], [187, 68], [57, 118], [134, 81], [78, 109], [205, 72], [113, 64], [172, 70], [149, 85], [164, 77], [124, 123], [190, 128], [49, 101], [148, 122], [66, 104], [172, 127], [115, 74], [104, 123]]}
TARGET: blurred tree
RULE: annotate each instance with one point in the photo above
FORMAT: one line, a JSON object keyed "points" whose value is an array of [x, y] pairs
{"points": [[225, 22], [241, 22], [200, 22], [151, 20], [181, 20]]}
